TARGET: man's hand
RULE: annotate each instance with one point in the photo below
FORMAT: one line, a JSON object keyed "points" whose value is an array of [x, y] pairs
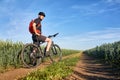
{"points": [[37, 34]]}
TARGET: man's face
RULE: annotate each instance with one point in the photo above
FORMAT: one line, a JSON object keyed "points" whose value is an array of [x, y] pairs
{"points": [[41, 17]]}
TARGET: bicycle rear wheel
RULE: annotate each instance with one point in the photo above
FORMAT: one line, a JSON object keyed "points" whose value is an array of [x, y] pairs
{"points": [[27, 59], [55, 53]]}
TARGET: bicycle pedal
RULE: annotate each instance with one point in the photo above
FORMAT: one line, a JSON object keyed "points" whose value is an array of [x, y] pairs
{"points": [[38, 57], [55, 53]]}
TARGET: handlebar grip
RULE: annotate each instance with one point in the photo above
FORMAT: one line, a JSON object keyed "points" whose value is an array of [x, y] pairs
{"points": [[53, 35]]}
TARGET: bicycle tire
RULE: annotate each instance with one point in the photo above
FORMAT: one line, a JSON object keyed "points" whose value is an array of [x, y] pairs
{"points": [[55, 53], [25, 55]]}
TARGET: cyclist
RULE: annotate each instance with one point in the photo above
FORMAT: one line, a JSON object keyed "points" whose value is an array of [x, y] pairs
{"points": [[37, 33]]}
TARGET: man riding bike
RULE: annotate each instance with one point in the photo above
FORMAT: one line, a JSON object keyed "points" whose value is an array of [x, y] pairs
{"points": [[36, 32]]}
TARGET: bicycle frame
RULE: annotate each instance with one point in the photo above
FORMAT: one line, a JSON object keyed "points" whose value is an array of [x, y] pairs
{"points": [[26, 53]]}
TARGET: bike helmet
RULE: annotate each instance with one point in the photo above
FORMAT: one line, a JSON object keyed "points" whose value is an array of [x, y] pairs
{"points": [[41, 13]]}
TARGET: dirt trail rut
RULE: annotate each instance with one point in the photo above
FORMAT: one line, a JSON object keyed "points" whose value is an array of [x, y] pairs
{"points": [[90, 69], [21, 72]]}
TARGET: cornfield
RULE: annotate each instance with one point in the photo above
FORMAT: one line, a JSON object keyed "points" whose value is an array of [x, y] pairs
{"points": [[110, 53], [9, 54]]}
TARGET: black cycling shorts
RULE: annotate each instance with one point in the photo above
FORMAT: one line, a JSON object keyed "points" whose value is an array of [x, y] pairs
{"points": [[37, 38]]}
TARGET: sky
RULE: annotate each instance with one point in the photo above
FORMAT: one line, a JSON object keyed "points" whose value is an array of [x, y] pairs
{"points": [[81, 24]]}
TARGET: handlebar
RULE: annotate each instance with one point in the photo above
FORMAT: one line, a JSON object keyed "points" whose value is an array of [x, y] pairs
{"points": [[54, 35]]}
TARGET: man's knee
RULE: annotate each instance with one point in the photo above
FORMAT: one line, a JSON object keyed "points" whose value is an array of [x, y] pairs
{"points": [[48, 40]]}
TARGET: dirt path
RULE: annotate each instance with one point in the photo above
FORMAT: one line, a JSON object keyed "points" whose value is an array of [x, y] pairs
{"points": [[90, 69], [21, 72], [86, 69]]}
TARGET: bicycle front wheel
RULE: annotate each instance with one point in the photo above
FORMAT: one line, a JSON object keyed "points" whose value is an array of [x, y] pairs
{"points": [[55, 53], [28, 59]]}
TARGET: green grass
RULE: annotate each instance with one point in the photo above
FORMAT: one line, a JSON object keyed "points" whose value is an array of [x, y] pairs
{"points": [[66, 52], [56, 71]]}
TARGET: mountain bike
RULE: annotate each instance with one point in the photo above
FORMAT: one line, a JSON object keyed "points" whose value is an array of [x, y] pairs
{"points": [[39, 53]]}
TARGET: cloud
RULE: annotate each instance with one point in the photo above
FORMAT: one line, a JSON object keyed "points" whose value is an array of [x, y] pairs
{"points": [[90, 39], [16, 28], [97, 8], [14, 21], [109, 33], [5, 2], [112, 1]]}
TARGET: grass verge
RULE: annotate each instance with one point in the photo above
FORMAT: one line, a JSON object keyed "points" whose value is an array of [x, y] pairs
{"points": [[56, 71]]}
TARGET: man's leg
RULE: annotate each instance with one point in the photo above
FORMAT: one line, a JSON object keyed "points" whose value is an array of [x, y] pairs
{"points": [[49, 42]]}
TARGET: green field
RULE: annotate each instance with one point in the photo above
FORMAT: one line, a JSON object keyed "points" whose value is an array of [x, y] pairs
{"points": [[9, 54]]}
